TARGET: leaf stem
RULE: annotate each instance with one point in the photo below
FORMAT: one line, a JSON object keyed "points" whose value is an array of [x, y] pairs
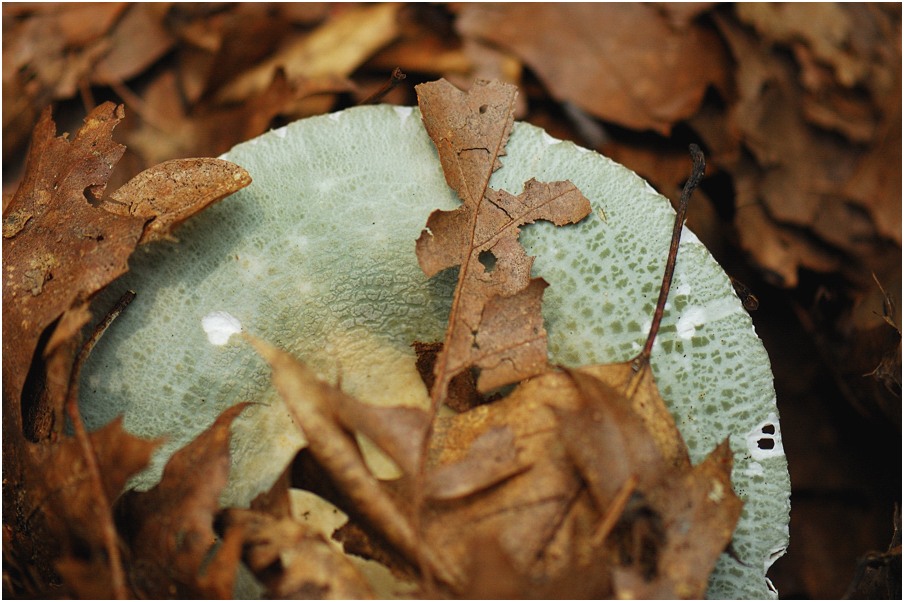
{"points": [[108, 529], [696, 176]]}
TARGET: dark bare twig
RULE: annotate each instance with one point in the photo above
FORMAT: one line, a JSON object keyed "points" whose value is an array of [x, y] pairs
{"points": [[697, 172], [394, 80]]}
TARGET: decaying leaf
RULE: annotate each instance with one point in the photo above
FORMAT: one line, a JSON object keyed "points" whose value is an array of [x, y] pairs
{"points": [[57, 248], [58, 495], [804, 115], [170, 528], [697, 510], [310, 400], [138, 40], [495, 323], [337, 49], [546, 483], [167, 194], [46, 56]]}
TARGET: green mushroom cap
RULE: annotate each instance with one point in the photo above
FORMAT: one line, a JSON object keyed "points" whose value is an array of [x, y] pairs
{"points": [[317, 256]]}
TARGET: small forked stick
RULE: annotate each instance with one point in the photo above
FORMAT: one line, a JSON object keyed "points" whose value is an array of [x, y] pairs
{"points": [[394, 80]]}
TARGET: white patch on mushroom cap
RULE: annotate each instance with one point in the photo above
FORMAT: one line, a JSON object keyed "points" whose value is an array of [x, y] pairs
{"points": [[220, 326], [403, 112], [696, 316], [689, 321]]}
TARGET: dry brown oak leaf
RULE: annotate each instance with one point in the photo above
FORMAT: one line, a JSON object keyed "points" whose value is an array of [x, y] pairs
{"points": [[495, 323], [598, 482], [60, 248]]}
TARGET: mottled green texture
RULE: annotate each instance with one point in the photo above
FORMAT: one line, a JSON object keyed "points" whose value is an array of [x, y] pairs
{"points": [[317, 256]]}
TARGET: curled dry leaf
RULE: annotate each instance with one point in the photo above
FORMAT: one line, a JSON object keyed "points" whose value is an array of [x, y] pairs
{"points": [[337, 48], [310, 402], [288, 551], [698, 510], [543, 520], [167, 194], [139, 38], [490, 459]]}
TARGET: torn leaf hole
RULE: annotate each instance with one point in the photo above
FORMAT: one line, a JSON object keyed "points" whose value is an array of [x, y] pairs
{"points": [[93, 194], [765, 443], [769, 429], [488, 260]]}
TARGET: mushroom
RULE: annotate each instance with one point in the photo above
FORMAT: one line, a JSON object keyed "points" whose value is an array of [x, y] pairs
{"points": [[317, 256]]}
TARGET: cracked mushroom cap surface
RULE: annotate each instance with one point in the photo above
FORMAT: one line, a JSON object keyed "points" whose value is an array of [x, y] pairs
{"points": [[317, 256]]}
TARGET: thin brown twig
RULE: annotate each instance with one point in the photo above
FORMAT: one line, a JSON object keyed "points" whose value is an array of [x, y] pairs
{"points": [[614, 511], [108, 529], [394, 80], [84, 90], [643, 359]]}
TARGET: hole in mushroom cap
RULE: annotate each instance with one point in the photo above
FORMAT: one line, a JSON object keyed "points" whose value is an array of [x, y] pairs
{"points": [[765, 439]]}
